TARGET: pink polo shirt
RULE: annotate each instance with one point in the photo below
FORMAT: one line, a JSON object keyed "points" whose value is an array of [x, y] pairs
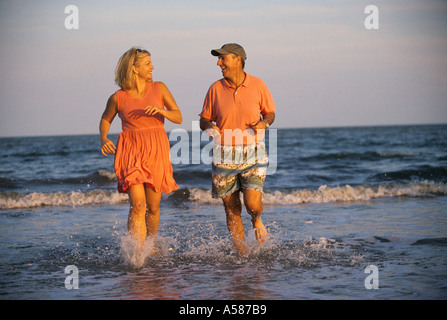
{"points": [[234, 111]]}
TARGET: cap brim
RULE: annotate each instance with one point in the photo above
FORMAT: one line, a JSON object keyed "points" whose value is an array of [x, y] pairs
{"points": [[218, 52]]}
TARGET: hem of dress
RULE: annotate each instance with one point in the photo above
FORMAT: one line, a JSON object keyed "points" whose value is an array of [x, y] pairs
{"points": [[123, 189]]}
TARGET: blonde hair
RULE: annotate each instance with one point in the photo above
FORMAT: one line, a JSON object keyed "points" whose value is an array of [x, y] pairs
{"points": [[124, 77]]}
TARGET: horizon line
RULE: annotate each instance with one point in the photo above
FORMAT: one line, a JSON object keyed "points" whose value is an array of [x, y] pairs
{"points": [[279, 128]]}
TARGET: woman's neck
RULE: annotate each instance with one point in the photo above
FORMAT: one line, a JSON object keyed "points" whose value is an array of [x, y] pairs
{"points": [[140, 88]]}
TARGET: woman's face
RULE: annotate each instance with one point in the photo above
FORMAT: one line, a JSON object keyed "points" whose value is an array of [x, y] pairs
{"points": [[144, 68]]}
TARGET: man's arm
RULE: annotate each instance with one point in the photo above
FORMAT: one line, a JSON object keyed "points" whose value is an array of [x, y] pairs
{"points": [[209, 127], [267, 118]]}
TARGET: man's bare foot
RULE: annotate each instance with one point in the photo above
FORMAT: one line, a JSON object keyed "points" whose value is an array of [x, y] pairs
{"points": [[260, 231], [239, 244]]}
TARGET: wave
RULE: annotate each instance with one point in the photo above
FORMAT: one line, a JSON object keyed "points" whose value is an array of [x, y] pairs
{"points": [[192, 175], [431, 241], [99, 177], [15, 200], [324, 194], [367, 155], [102, 177], [419, 173]]}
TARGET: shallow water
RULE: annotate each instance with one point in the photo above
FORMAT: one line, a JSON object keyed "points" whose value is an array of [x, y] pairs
{"points": [[306, 257], [340, 200]]}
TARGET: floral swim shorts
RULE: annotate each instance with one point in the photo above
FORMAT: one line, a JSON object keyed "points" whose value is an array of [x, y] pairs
{"points": [[238, 167]]}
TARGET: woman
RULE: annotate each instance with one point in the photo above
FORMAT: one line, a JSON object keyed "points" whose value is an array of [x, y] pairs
{"points": [[142, 162]]}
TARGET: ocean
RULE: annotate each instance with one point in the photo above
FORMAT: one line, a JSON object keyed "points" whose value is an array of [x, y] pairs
{"points": [[352, 213]]}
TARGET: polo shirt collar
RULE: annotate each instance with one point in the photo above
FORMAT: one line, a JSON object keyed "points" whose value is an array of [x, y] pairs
{"points": [[244, 84]]}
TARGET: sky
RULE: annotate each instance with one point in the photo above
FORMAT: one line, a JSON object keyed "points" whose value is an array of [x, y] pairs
{"points": [[323, 67]]}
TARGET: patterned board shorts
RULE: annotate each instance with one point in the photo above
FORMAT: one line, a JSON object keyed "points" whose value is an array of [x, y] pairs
{"points": [[238, 167]]}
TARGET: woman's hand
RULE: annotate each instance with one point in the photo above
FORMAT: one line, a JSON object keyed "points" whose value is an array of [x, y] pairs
{"points": [[109, 114], [152, 110], [107, 146]]}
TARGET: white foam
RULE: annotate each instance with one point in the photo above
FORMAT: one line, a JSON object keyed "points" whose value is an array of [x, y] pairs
{"points": [[108, 174], [202, 196], [325, 194], [73, 199]]}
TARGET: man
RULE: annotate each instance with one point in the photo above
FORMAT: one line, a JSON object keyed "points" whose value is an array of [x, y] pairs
{"points": [[236, 112]]}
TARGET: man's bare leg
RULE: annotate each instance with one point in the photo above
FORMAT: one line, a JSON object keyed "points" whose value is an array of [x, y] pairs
{"points": [[254, 206], [233, 209]]}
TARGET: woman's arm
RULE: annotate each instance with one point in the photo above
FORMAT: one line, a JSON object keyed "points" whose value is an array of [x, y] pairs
{"points": [[172, 111], [109, 114]]}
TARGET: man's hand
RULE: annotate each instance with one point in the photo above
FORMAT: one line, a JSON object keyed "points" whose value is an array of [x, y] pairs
{"points": [[260, 125], [209, 127]]}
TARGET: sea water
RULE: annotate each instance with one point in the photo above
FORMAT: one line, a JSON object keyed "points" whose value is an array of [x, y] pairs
{"points": [[340, 201]]}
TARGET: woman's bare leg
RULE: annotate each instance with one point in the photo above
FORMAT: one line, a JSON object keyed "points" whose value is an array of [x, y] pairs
{"points": [[153, 199]]}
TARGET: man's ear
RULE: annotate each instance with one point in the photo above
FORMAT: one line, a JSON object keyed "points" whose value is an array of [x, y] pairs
{"points": [[239, 59]]}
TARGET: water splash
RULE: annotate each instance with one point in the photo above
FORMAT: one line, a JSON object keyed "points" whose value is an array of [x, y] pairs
{"points": [[134, 253]]}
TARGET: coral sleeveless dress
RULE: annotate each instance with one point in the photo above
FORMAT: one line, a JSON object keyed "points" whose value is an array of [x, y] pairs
{"points": [[142, 153]]}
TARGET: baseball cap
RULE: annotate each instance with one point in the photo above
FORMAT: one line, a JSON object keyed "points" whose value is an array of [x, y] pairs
{"points": [[230, 48]]}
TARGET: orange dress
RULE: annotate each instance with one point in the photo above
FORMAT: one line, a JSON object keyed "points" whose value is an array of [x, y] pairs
{"points": [[142, 153]]}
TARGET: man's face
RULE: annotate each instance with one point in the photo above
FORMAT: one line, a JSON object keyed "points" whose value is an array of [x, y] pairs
{"points": [[228, 64]]}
